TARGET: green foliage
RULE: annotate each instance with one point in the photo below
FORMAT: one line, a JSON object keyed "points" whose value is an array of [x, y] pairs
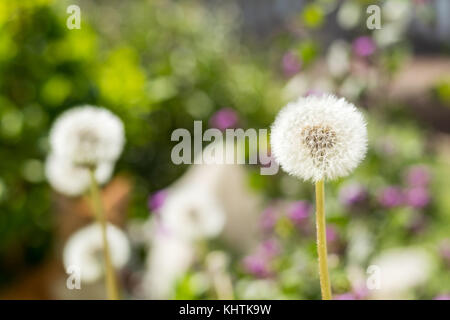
{"points": [[169, 64]]}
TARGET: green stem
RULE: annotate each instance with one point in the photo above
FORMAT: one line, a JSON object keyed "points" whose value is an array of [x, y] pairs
{"points": [[325, 286], [110, 277]]}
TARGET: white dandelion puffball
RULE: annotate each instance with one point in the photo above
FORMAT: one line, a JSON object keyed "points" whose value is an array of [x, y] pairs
{"points": [[193, 215], [319, 137], [84, 251], [73, 180], [87, 135]]}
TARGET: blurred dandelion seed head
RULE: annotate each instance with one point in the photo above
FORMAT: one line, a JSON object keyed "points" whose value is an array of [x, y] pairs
{"points": [[73, 180], [193, 215], [81, 138], [83, 248], [87, 135]]}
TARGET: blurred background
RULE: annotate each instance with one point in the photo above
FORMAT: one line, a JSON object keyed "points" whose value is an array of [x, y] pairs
{"points": [[160, 65]]}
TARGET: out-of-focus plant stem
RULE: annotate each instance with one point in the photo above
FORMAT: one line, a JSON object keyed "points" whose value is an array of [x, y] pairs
{"points": [[110, 277]]}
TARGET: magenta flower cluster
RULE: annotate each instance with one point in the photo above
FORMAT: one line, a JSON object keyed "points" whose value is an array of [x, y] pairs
{"points": [[415, 194]]}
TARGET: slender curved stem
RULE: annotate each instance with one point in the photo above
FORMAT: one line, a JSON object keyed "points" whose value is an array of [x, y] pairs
{"points": [[325, 286], [223, 286], [110, 277]]}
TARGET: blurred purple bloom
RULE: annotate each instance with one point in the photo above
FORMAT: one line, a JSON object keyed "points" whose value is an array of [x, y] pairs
{"points": [[364, 46], [156, 200], [345, 296], [361, 292], [356, 294], [417, 197], [290, 64], [299, 211], [270, 248], [332, 234], [418, 176], [257, 265], [391, 197], [442, 297], [269, 218], [224, 118], [352, 194]]}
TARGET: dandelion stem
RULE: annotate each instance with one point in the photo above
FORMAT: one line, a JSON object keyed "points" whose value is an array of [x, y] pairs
{"points": [[223, 286], [325, 286], [110, 277]]}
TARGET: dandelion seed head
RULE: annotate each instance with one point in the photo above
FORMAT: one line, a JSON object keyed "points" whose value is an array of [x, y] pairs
{"points": [[193, 215], [84, 251], [319, 137], [320, 141], [87, 135], [72, 180]]}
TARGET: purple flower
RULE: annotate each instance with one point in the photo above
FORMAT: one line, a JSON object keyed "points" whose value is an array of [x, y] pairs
{"points": [[269, 218], [224, 118], [345, 296], [363, 46], [257, 265], [332, 234], [299, 212], [269, 248], [391, 197], [290, 64], [156, 200], [418, 176], [442, 297], [360, 292], [352, 194], [417, 197]]}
